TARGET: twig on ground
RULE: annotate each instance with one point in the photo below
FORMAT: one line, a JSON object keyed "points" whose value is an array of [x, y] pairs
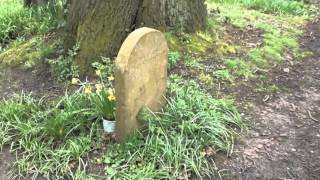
{"points": [[311, 117]]}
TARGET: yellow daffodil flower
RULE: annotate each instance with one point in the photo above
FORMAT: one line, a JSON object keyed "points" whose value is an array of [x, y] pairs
{"points": [[88, 90], [99, 88], [75, 81], [98, 72], [110, 78], [111, 97], [110, 91]]}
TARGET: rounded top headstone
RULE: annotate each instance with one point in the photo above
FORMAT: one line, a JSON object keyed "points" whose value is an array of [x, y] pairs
{"points": [[143, 41], [140, 77]]}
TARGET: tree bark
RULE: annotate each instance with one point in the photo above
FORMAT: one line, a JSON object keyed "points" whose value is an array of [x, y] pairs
{"points": [[100, 26], [181, 15], [30, 3]]}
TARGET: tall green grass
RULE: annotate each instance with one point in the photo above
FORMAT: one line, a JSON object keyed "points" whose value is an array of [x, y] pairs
{"points": [[173, 143], [272, 6], [49, 137], [17, 21], [54, 138]]}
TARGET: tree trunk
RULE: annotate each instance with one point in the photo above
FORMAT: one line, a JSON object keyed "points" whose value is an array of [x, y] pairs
{"points": [[181, 15], [29, 3], [100, 26]]}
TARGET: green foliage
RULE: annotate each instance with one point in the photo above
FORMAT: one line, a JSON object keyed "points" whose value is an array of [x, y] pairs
{"points": [[239, 68], [173, 59], [275, 45], [105, 66], [224, 74], [17, 21], [273, 6], [104, 98], [280, 38], [205, 79], [273, 51], [50, 137], [27, 53], [63, 67], [193, 63], [67, 116], [172, 143], [104, 103], [199, 42]]}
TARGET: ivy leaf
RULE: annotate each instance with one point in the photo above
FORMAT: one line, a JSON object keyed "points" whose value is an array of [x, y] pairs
{"points": [[107, 160], [111, 172]]}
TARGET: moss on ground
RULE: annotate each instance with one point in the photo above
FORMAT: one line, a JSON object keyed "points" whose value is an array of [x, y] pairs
{"points": [[280, 39], [27, 53]]}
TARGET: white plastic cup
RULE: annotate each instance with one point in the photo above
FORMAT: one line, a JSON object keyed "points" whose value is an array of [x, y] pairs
{"points": [[109, 126]]}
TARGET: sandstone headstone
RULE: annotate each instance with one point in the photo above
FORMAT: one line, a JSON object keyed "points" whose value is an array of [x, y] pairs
{"points": [[140, 77]]}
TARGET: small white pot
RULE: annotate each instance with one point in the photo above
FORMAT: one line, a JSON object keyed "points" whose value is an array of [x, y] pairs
{"points": [[109, 126]]}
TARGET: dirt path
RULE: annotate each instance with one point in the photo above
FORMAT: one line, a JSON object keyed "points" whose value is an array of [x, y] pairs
{"points": [[284, 138]]}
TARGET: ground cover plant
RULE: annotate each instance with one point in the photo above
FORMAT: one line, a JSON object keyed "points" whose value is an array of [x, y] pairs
{"points": [[49, 136], [276, 6], [18, 21], [213, 55], [54, 138], [174, 142], [27, 34], [280, 37], [276, 32]]}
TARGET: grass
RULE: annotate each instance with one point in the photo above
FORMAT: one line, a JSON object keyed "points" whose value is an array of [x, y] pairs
{"points": [[174, 142], [23, 33], [54, 138], [281, 31], [272, 6], [17, 21], [28, 53], [280, 23], [173, 59]]}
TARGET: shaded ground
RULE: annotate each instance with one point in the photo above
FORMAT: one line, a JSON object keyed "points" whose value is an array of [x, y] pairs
{"points": [[39, 82], [284, 138]]}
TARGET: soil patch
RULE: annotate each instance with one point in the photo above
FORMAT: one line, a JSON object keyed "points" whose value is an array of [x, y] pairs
{"points": [[39, 82], [6, 160], [246, 38], [284, 138]]}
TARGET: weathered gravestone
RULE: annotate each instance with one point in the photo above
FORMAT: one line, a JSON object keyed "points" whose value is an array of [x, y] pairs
{"points": [[140, 77]]}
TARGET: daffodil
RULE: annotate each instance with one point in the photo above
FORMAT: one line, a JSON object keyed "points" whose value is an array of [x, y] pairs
{"points": [[111, 97], [110, 91], [98, 88], [75, 81], [110, 78], [88, 90], [98, 72]]}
